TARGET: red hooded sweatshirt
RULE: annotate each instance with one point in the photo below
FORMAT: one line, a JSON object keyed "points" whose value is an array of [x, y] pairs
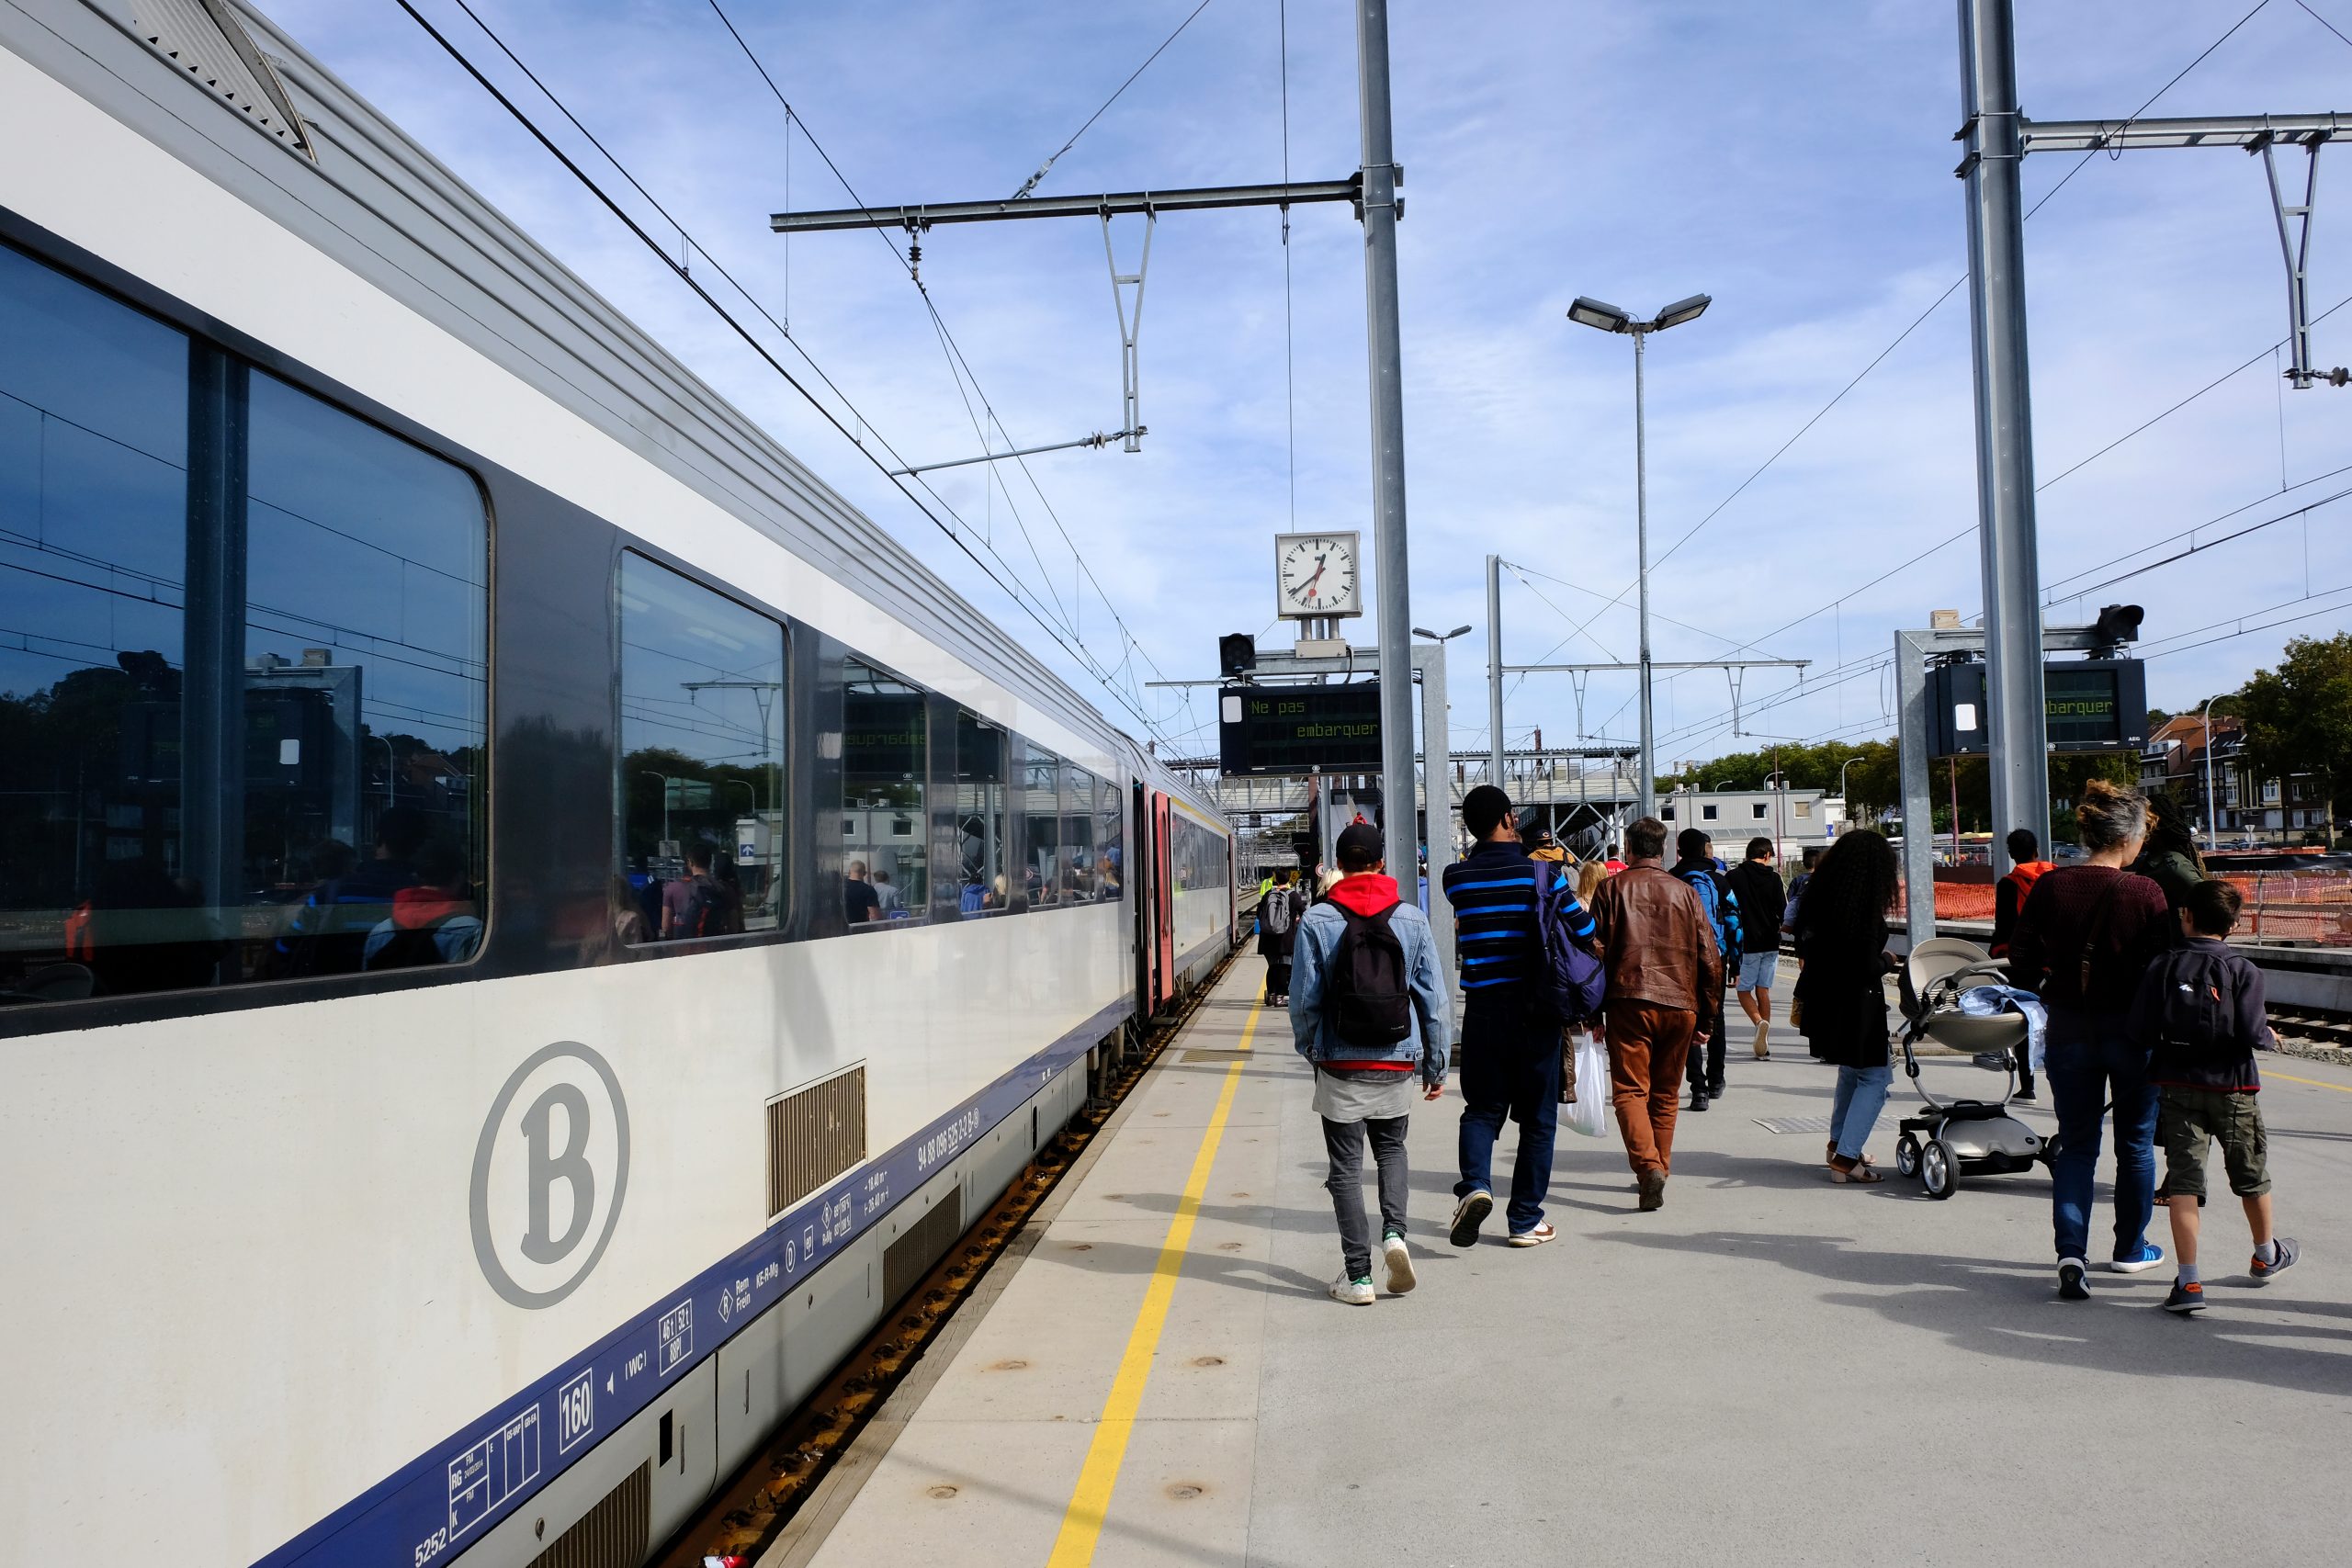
{"points": [[1367, 893]]}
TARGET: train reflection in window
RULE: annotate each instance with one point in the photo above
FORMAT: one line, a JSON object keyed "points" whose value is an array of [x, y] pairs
{"points": [[701, 780], [242, 675]]}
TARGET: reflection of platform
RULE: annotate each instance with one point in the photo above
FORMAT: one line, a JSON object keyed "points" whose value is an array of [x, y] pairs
{"points": [[1731, 1378]]}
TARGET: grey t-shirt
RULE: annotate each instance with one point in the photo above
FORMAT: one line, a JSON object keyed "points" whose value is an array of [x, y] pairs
{"points": [[1363, 1096]]}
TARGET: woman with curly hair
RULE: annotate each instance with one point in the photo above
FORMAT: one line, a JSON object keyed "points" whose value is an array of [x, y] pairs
{"points": [[1841, 938]]}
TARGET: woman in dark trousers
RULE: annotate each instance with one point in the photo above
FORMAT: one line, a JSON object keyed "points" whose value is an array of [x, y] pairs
{"points": [[1841, 938], [2086, 934], [1274, 945]]}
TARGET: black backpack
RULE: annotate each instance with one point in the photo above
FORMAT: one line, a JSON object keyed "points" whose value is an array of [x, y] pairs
{"points": [[2197, 1005], [1365, 996], [709, 910]]}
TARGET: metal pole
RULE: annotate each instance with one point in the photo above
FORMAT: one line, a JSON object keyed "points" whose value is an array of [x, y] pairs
{"points": [[1918, 807], [1642, 548], [1386, 355], [1494, 669], [2212, 839], [2018, 729], [1437, 782]]}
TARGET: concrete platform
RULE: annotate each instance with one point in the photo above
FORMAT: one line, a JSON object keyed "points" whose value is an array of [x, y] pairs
{"points": [[1772, 1370]]}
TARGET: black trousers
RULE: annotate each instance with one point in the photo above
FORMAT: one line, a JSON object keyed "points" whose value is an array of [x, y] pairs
{"points": [[1277, 976], [1706, 1069]]}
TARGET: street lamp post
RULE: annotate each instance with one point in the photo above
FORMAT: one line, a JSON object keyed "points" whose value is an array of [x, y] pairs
{"points": [[1843, 804], [2212, 839], [649, 773], [1437, 772], [1609, 318]]}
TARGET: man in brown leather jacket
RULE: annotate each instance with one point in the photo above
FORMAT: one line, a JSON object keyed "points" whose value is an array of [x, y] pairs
{"points": [[1663, 965]]}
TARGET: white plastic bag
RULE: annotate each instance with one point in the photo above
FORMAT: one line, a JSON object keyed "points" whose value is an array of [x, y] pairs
{"points": [[1589, 1114]]}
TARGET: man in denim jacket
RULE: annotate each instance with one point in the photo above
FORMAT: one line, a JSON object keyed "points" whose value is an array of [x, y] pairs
{"points": [[1358, 1088]]}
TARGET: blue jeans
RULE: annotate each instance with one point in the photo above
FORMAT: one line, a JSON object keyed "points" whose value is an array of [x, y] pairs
{"points": [[1861, 1095], [2090, 1059], [1510, 1067]]}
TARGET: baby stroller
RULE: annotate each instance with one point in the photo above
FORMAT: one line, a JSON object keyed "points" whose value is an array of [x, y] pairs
{"points": [[1974, 1136]]}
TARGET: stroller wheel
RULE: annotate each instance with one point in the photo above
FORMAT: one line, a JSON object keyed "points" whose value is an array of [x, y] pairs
{"points": [[1906, 1154], [1939, 1168]]}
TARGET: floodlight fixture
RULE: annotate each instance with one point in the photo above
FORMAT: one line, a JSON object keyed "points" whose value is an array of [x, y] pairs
{"points": [[1682, 311], [1597, 314], [1433, 636]]}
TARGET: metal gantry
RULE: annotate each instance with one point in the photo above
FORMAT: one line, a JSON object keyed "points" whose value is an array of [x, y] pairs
{"points": [[1997, 136]]}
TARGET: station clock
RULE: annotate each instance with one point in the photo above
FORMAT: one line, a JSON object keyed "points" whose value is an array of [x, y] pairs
{"points": [[1315, 576]]}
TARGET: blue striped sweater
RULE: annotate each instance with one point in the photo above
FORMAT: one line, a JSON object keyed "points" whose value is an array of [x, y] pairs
{"points": [[1493, 894]]}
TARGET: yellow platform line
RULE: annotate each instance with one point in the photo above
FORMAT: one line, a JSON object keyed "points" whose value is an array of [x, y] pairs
{"points": [[2312, 1083], [1089, 1503]]}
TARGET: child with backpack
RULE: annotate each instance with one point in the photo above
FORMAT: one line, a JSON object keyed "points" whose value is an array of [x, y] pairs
{"points": [[2199, 1013], [1279, 908], [1369, 1010]]}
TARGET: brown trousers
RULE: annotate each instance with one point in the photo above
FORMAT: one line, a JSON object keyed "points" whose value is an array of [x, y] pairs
{"points": [[1648, 1046]]}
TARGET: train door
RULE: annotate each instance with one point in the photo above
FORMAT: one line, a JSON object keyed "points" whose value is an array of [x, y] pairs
{"points": [[1140, 877], [1163, 898]]}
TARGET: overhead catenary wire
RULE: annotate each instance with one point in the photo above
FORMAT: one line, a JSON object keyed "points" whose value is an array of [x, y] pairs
{"points": [[1900, 337], [1031, 184], [955, 350], [1025, 599]]}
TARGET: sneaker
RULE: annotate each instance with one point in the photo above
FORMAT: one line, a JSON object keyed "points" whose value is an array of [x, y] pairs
{"points": [[1698, 1100], [1400, 1265], [1353, 1292], [1536, 1237], [1715, 1091], [2072, 1286], [2026, 1096], [2288, 1250], [1468, 1215], [2185, 1299], [2151, 1257]]}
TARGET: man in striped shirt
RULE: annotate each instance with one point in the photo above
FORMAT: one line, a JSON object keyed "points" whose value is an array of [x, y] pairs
{"points": [[1510, 1041]]}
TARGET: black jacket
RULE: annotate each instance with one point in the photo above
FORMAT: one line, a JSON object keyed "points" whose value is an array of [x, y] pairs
{"points": [[1757, 888], [1842, 986]]}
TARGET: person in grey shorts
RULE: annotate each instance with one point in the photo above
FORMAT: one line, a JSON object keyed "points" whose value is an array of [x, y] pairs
{"points": [[1368, 1008], [1757, 884]]}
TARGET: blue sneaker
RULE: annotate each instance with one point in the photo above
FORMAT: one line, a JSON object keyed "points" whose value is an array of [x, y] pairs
{"points": [[2151, 1257]]}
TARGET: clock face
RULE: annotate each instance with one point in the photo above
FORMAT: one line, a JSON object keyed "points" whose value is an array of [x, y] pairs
{"points": [[1315, 574]]}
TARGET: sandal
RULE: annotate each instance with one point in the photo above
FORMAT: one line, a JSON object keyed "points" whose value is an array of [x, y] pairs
{"points": [[1844, 1170], [1830, 1154]]}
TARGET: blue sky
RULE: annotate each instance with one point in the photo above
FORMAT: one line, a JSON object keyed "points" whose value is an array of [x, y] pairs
{"points": [[1794, 161]]}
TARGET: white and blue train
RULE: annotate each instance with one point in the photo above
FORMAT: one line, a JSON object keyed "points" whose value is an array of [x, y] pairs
{"points": [[526, 921]]}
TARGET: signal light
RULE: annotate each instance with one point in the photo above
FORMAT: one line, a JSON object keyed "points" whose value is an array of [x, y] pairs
{"points": [[2117, 625], [1236, 653]]}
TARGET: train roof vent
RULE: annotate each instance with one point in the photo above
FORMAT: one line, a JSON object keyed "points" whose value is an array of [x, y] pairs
{"points": [[204, 40]]}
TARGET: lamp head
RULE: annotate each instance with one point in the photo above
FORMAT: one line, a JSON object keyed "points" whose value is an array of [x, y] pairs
{"points": [[1682, 311], [1597, 314]]}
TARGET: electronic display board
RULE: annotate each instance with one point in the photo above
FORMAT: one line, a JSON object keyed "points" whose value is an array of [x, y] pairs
{"points": [[2090, 705], [1299, 729]]}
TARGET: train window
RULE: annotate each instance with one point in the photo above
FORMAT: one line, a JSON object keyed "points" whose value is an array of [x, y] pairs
{"points": [[1041, 825], [979, 815], [1110, 837], [701, 787], [1079, 870], [885, 766], [241, 703]]}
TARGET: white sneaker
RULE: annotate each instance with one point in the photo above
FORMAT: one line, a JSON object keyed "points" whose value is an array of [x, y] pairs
{"points": [[1352, 1293], [1400, 1265]]}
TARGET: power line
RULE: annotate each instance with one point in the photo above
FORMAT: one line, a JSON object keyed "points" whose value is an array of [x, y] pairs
{"points": [[1619, 597], [680, 270], [956, 351], [1032, 182], [2322, 21]]}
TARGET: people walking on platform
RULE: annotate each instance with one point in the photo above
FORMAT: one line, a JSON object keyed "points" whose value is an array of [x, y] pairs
{"points": [[2008, 896], [1659, 950], [1511, 1035], [1369, 1010], [1841, 934], [1279, 908], [2199, 1013], [2169, 858], [1589, 876], [1696, 868], [1756, 887], [2084, 936]]}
